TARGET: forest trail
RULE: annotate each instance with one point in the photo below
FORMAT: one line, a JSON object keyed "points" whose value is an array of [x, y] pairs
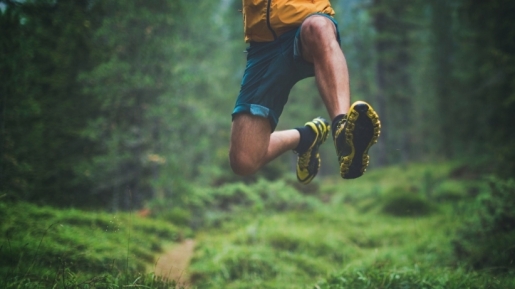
{"points": [[173, 264]]}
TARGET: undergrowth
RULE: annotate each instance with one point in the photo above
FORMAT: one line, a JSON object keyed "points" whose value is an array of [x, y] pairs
{"points": [[487, 239], [410, 226], [393, 228], [42, 247]]}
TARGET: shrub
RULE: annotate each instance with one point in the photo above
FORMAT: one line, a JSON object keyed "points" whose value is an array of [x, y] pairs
{"points": [[401, 201], [213, 206], [450, 190], [488, 239]]}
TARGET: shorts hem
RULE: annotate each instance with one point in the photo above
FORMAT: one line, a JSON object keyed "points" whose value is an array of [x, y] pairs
{"points": [[257, 110]]}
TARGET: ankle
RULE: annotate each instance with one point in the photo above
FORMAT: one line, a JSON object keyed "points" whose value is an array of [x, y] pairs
{"points": [[307, 136]]}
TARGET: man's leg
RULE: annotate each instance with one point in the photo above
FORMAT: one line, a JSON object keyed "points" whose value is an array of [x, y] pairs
{"points": [[252, 145], [355, 128], [320, 47]]}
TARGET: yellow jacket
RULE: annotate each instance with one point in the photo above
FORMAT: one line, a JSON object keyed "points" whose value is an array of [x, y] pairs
{"points": [[265, 20]]}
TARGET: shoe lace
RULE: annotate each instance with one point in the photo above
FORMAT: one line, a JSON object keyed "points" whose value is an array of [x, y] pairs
{"points": [[304, 159]]}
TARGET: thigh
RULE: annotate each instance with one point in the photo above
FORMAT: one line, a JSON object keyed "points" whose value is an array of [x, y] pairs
{"points": [[250, 136]]}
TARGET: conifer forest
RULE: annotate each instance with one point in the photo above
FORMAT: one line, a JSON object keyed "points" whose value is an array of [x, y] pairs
{"points": [[123, 108]]}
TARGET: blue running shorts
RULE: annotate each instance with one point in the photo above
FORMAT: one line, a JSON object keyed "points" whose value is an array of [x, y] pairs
{"points": [[272, 70]]}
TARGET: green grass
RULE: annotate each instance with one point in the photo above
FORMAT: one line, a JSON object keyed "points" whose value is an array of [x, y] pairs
{"points": [[44, 247], [398, 227], [393, 228], [294, 250]]}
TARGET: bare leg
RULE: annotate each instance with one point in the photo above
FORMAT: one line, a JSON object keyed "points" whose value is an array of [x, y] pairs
{"points": [[252, 145], [320, 47]]}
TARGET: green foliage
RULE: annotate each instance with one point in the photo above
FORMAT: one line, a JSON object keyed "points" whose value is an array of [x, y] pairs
{"points": [[112, 100], [486, 240], [293, 250], [491, 53], [401, 201], [270, 235], [394, 23], [41, 111], [117, 104], [261, 253], [420, 183], [122, 102], [207, 207], [131, 77], [43, 244], [348, 241], [450, 190]]}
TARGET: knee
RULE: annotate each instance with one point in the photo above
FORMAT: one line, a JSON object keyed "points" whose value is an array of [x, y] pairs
{"points": [[242, 164], [317, 28]]}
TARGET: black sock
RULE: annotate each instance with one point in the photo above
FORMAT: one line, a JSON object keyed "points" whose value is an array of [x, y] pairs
{"points": [[307, 135], [335, 123]]}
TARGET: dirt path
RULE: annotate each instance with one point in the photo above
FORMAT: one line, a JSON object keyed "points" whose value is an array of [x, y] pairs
{"points": [[173, 264]]}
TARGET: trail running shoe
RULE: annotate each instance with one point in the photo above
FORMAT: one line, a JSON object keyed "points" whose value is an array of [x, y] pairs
{"points": [[308, 163], [354, 136]]}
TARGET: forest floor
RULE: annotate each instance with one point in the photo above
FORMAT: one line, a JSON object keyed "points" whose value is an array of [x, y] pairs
{"points": [[173, 264], [362, 235]]}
